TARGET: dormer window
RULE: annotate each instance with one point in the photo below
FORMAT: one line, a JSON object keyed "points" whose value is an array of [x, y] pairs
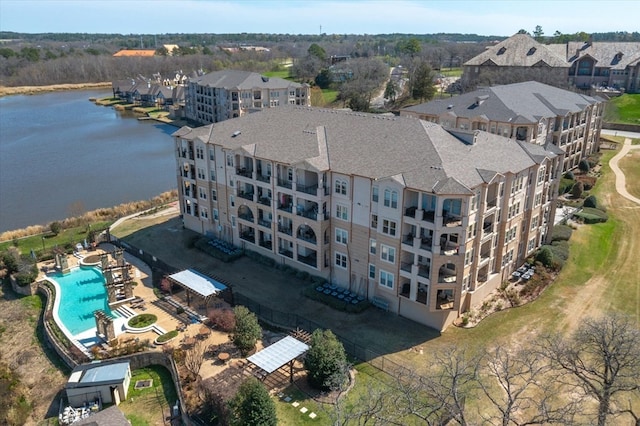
{"points": [[502, 50], [531, 51]]}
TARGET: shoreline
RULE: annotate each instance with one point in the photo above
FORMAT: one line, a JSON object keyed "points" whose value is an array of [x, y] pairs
{"points": [[32, 90]]}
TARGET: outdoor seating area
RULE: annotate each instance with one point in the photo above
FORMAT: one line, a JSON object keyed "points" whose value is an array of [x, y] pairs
{"points": [[138, 303], [525, 272], [340, 293]]}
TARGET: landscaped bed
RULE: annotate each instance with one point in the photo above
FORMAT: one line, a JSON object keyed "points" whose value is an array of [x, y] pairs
{"points": [[167, 337], [142, 321]]}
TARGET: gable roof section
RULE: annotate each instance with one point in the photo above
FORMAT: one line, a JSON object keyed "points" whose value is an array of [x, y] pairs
{"points": [[606, 54], [242, 80], [519, 50], [135, 52]]}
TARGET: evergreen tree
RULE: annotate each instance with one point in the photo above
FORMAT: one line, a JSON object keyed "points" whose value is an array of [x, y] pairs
{"points": [[247, 330], [326, 361], [252, 406]]}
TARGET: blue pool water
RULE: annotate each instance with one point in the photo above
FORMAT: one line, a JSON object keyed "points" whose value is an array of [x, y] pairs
{"points": [[82, 291]]}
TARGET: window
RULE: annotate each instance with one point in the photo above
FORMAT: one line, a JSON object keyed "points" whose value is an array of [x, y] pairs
{"points": [[200, 153], [341, 187], [541, 175], [341, 260], [215, 214], [386, 279], [372, 246], [214, 195], [229, 160], [232, 201], [342, 212], [374, 221], [202, 192], [511, 234], [474, 202], [372, 271], [534, 222], [388, 227], [374, 194], [342, 236], [213, 175], [233, 221], [465, 283], [212, 154], [200, 173], [537, 200], [468, 256], [387, 253], [204, 213], [516, 185], [290, 174], [471, 231], [531, 245], [391, 198]]}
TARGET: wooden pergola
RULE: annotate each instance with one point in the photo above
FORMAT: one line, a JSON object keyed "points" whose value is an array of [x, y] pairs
{"points": [[272, 358], [193, 281]]}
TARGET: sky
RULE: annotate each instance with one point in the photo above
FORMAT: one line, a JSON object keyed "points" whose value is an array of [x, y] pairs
{"points": [[483, 17]]}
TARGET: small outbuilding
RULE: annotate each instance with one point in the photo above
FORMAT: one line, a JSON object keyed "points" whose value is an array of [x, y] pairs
{"points": [[105, 382]]}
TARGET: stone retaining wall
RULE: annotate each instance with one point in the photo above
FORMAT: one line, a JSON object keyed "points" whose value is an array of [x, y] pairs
{"points": [[622, 127]]}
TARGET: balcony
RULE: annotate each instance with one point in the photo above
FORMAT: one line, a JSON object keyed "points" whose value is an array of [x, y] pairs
{"points": [[406, 266], [410, 211], [247, 217], [310, 260], [424, 271], [268, 244], [429, 216], [426, 243], [265, 201], [285, 207], [285, 229], [265, 223], [243, 171], [306, 233], [285, 252], [307, 189], [248, 236], [263, 178], [451, 221], [309, 214], [285, 183], [447, 275], [449, 249], [492, 203], [246, 195], [408, 239]]}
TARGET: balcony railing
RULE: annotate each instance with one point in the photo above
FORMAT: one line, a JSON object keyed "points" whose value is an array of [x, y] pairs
{"points": [[408, 239], [428, 216], [309, 214], [410, 211], [424, 271], [285, 230], [266, 244], [247, 217], [310, 260], [426, 243], [449, 220], [406, 266], [265, 223], [263, 178], [247, 236], [285, 183], [285, 252], [308, 237], [492, 203], [286, 207], [307, 189], [244, 172], [246, 195], [264, 201]]}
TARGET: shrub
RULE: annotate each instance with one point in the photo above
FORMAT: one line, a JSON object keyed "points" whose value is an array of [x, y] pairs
{"points": [[252, 406], [565, 185], [577, 189], [55, 227], [591, 201], [569, 175], [561, 233], [167, 336], [545, 256], [222, 319], [583, 165], [591, 215], [247, 330], [326, 361], [142, 320]]}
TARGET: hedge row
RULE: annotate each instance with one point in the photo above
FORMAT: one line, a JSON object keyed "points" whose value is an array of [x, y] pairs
{"points": [[590, 215]]}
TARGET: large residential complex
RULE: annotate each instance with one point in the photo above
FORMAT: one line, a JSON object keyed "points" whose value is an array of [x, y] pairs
{"points": [[396, 209], [580, 64], [531, 112], [221, 95]]}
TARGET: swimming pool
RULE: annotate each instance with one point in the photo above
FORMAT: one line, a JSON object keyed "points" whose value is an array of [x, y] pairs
{"points": [[81, 292]]}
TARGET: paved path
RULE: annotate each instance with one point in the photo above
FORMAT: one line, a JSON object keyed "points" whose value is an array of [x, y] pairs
{"points": [[621, 186]]}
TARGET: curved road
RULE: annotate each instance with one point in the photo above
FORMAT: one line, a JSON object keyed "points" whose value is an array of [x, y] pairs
{"points": [[621, 183]]}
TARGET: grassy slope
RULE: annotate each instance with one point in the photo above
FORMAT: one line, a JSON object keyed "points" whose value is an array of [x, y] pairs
{"points": [[624, 109], [630, 165], [149, 406]]}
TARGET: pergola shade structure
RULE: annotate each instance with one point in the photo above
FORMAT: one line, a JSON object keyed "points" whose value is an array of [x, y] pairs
{"points": [[281, 353], [200, 284]]}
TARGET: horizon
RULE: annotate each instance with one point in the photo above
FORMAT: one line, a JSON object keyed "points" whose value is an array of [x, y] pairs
{"points": [[488, 18]]}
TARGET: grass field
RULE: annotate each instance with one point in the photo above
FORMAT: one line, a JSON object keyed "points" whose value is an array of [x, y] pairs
{"points": [[623, 109], [151, 405], [46, 241], [278, 74], [630, 165]]}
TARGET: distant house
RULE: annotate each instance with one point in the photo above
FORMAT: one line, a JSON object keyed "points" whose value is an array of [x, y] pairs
{"points": [[106, 382], [530, 112], [135, 52], [584, 65], [171, 48]]}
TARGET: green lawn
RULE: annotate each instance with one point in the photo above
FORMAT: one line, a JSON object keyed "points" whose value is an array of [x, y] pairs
{"points": [[278, 74], [624, 109], [149, 406], [451, 72], [66, 236]]}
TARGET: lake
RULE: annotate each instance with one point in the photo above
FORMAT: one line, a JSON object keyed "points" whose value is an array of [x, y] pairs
{"points": [[61, 153]]}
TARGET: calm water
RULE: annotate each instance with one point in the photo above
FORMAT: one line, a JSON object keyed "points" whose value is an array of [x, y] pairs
{"points": [[60, 153], [81, 292]]}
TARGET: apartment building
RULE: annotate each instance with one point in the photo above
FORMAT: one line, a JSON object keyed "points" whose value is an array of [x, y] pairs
{"points": [[530, 112], [393, 208], [221, 95], [585, 65]]}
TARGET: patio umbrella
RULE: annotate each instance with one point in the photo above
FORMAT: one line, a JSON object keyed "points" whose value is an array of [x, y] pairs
{"points": [[204, 330]]}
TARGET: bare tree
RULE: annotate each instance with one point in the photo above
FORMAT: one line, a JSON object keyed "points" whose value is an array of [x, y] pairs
{"points": [[363, 77], [516, 384], [603, 359], [193, 358]]}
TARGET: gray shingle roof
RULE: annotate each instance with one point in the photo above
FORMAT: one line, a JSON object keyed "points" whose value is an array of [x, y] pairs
{"points": [[519, 50], [605, 53], [427, 156], [233, 79], [525, 102]]}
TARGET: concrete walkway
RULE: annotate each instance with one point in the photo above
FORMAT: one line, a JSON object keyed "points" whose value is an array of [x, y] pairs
{"points": [[621, 183]]}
